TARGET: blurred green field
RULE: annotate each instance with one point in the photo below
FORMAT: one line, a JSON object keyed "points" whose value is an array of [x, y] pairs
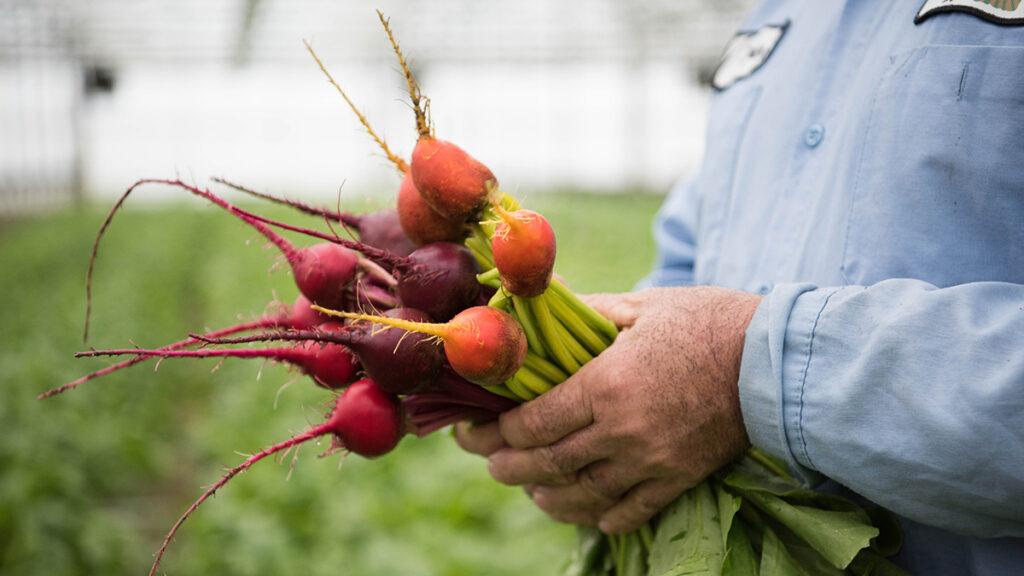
{"points": [[90, 481]]}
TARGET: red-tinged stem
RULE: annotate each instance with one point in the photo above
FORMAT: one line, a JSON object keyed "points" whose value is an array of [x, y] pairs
{"points": [[386, 259], [192, 339], [344, 338], [286, 354], [314, 432], [345, 218], [376, 272], [394, 158], [435, 421], [375, 296], [284, 245]]}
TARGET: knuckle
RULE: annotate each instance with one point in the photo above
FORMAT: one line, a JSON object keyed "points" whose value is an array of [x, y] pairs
{"points": [[646, 506], [523, 427], [596, 483], [552, 462]]}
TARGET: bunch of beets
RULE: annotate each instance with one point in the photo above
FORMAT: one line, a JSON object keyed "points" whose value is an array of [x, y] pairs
{"points": [[446, 309]]}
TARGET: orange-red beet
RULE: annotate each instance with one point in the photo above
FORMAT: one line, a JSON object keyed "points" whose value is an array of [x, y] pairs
{"points": [[485, 345], [422, 223], [524, 252], [450, 180]]}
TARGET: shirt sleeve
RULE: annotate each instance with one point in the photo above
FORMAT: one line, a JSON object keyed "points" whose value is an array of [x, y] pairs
{"points": [[909, 395], [675, 235]]}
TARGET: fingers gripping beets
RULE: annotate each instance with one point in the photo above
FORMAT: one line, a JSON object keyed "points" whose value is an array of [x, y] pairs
{"points": [[650, 417]]}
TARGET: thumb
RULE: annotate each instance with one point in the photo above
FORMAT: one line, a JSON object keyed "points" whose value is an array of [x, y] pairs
{"points": [[622, 309]]}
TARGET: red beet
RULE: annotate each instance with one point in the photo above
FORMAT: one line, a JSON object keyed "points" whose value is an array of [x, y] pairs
{"points": [[524, 251], [365, 420]]}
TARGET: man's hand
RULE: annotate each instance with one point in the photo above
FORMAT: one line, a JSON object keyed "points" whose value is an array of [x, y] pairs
{"points": [[650, 417]]}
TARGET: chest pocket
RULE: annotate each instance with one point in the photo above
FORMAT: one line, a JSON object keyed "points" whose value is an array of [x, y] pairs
{"points": [[727, 126], [939, 190]]}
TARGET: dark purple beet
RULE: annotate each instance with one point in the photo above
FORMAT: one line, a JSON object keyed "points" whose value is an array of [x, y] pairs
{"points": [[440, 279], [383, 230], [400, 362]]}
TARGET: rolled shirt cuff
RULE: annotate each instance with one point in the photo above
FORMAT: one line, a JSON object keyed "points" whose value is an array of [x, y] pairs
{"points": [[776, 354]]}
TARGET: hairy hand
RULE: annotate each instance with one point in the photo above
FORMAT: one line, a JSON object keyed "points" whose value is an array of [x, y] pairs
{"points": [[650, 417]]}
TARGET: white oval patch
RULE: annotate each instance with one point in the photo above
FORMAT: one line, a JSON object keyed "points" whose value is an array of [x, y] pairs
{"points": [[1008, 12], [745, 53]]}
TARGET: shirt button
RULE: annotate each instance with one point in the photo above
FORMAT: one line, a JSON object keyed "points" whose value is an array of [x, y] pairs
{"points": [[764, 289], [814, 135]]}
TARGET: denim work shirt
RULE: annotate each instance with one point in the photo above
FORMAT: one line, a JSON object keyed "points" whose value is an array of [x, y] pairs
{"points": [[868, 179]]}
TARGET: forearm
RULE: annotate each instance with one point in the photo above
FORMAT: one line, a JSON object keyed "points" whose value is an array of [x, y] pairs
{"points": [[910, 395]]}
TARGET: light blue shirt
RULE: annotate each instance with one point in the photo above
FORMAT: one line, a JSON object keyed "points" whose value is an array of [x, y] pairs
{"points": [[869, 180]]}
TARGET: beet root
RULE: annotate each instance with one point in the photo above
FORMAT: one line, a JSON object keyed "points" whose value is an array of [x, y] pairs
{"points": [[422, 223], [523, 245], [451, 181], [324, 271], [440, 279]]}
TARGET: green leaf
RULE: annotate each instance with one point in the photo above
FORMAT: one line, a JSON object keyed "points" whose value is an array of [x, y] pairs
{"points": [[871, 563], [633, 556], [588, 556], [740, 558], [728, 505], [836, 535], [689, 536], [775, 559], [748, 474]]}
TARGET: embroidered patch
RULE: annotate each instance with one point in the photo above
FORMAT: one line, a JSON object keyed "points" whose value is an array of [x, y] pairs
{"points": [[745, 53], [1008, 12]]}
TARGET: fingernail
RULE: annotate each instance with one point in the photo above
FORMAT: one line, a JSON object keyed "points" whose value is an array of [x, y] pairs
{"points": [[605, 526]]}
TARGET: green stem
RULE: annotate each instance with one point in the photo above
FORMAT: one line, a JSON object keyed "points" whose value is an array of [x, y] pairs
{"points": [[489, 276], [500, 300], [571, 343], [545, 368], [502, 390], [592, 317], [576, 326], [481, 238], [481, 252], [519, 389], [620, 560], [768, 462], [549, 331], [613, 546], [532, 381], [647, 536], [526, 321]]}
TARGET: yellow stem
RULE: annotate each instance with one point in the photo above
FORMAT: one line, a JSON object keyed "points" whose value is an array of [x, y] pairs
{"points": [[394, 158], [440, 330]]}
